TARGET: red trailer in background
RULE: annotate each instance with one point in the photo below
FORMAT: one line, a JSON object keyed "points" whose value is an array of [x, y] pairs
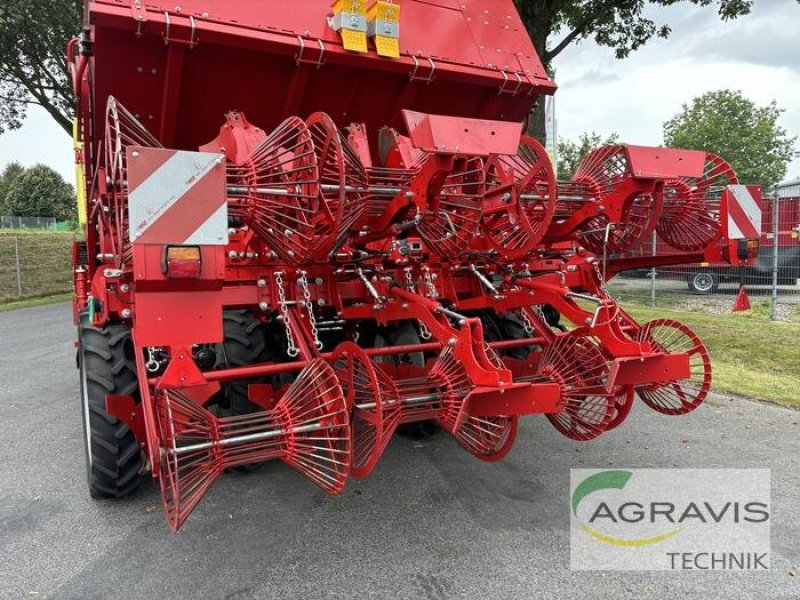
{"points": [[707, 277]]}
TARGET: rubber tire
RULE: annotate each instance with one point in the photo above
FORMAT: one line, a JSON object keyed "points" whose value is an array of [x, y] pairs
{"points": [[405, 333], [703, 289], [107, 366], [244, 344]]}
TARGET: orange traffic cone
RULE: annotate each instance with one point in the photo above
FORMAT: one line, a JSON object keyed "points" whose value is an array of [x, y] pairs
{"points": [[742, 301]]}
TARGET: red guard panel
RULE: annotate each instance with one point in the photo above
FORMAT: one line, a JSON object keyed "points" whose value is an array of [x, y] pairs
{"points": [[451, 135], [663, 163]]}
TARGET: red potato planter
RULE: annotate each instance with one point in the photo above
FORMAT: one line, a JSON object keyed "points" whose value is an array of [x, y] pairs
{"points": [[294, 250]]}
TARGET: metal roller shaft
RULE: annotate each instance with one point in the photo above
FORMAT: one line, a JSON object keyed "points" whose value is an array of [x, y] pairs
{"points": [[276, 433]]}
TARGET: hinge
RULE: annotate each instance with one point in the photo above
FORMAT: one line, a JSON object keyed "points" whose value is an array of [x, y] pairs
{"points": [[413, 75], [191, 42], [301, 55], [508, 86]]}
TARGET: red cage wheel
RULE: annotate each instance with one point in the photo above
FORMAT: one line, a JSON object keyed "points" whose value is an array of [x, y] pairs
{"points": [[627, 215], [690, 218], [375, 403], [516, 216], [623, 402], [579, 366], [343, 185], [122, 130], [678, 397], [309, 429], [277, 191], [489, 439], [452, 217], [452, 384]]}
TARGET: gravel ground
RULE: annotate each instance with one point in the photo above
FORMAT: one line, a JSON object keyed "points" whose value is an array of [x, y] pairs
{"points": [[430, 523]]}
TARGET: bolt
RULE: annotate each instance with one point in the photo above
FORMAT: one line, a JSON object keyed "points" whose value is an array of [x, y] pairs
{"points": [[451, 342], [125, 288], [261, 283], [319, 281], [126, 313], [263, 306], [321, 302], [135, 154]]}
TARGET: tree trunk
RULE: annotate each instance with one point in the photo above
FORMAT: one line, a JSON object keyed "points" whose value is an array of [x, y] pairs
{"points": [[537, 17]]}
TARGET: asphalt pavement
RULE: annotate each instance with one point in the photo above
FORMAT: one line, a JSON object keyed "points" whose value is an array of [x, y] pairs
{"points": [[430, 523]]}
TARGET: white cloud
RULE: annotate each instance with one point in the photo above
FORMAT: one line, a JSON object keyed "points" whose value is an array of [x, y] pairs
{"points": [[634, 97], [40, 140]]}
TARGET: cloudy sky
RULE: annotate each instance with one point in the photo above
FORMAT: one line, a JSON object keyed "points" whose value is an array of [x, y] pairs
{"points": [[758, 54]]}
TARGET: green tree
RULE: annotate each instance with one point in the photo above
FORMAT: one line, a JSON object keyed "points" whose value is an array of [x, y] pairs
{"points": [[746, 135], [570, 154], [33, 37], [9, 174], [41, 192], [617, 24]]}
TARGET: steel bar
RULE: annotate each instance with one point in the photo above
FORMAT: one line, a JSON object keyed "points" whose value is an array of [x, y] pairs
{"points": [[276, 433], [268, 369], [241, 191]]}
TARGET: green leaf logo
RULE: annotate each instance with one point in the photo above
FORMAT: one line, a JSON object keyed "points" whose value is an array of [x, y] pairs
{"points": [[611, 480]]}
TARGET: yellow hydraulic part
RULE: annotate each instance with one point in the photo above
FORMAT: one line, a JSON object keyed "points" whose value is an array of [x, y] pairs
{"points": [[80, 184], [350, 20], [383, 24]]}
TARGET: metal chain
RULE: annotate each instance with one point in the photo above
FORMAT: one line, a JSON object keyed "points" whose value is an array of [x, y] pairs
{"points": [[424, 332], [526, 322], [303, 281], [291, 348], [600, 276]]}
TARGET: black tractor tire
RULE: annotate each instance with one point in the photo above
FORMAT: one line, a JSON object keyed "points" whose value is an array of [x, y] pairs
{"points": [[703, 282], [405, 333], [107, 366], [244, 344]]}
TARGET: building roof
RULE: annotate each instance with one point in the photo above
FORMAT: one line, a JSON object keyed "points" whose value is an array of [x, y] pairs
{"points": [[789, 189]]}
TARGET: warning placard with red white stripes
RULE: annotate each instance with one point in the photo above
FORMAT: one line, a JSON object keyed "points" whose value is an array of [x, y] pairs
{"points": [[743, 212], [176, 197]]}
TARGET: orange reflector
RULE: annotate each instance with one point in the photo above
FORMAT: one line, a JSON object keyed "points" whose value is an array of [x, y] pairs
{"points": [[748, 249], [182, 262]]}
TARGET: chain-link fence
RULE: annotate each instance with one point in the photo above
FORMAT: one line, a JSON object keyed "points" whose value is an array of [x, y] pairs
{"points": [[771, 284], [35, 264], [45, 223]]}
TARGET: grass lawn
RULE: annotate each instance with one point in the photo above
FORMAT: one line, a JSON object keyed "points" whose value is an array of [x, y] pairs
{"points": [[45, 261], [40, 301], [750, 356]]}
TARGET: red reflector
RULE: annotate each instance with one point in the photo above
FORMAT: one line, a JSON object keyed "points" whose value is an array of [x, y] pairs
{"points": [[748, 249], [182, 262]]}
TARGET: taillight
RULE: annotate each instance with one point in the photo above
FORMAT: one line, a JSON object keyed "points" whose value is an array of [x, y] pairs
{"points": [[182, 262], [747, 249]]}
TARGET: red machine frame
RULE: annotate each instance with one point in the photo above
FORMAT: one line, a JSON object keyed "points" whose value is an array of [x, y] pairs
{"points": [[327, 227]]}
